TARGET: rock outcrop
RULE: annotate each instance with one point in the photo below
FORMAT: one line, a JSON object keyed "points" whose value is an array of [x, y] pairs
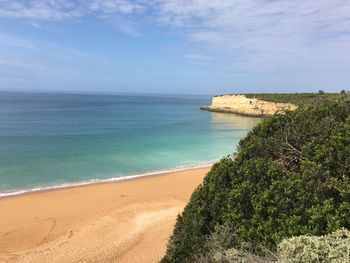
{"points": [[240, 104]]}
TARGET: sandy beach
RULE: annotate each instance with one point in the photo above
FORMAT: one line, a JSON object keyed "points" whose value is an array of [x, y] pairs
{"points": [[125, 221]]}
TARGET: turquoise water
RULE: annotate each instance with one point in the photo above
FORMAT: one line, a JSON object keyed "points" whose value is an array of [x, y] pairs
{"points": [[54, 139]]}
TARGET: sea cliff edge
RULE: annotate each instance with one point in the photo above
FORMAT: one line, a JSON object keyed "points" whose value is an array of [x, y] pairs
{"points": [[252, 107]]}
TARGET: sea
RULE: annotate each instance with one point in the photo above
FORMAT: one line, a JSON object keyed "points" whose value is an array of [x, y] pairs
{"points": [[52, 140]]}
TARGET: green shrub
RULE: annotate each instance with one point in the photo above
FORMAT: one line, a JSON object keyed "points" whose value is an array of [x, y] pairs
{"points": [[290, 177], [300, 99], [216, 252]]}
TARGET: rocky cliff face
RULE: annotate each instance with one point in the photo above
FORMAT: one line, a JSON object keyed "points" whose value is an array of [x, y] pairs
{"points": [[240, 104]]}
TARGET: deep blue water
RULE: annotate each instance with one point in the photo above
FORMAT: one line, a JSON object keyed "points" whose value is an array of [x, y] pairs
{"points": [[54, 139]]}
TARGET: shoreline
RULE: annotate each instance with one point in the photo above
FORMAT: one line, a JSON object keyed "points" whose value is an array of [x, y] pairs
{"points": [[231, 111], [121, 221], [40, 189]]}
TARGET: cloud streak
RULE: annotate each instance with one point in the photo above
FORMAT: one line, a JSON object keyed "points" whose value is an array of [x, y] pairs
{"points": [[260, 35], [239, 35], [39, 9], [65, 9]]}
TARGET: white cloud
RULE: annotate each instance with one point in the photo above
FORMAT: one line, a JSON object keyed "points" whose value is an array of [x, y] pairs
{"points": [[264, 35], [114, 6], [246, 35], [39, 9], [64, 9], [126, 25], [57, 10]]}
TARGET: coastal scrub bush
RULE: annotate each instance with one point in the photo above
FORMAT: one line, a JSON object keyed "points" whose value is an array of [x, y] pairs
{"points": [[332, 248], [289, 177], [216, 252]]}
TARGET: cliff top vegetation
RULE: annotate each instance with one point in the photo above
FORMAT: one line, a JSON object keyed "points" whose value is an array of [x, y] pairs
{"points": [[299, 99]]}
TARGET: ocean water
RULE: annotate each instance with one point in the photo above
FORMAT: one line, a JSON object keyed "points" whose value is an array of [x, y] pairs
{"points": [[49, 140]]}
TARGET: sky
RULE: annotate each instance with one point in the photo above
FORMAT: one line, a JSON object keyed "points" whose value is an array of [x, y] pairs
{"points": [[175, 46]]}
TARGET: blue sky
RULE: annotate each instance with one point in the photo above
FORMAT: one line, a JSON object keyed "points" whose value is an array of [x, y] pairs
{"points": [[175, 46]]}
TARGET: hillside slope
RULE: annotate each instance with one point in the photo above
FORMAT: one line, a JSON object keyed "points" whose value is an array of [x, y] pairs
{"points": [[290, 176]]}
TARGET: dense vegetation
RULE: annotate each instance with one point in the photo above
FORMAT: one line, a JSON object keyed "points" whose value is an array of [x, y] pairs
{"points": [[290, 176], [330, 248], [299, 99]]}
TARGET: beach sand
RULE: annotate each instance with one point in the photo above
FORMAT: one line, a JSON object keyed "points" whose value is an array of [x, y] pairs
{"points": [[125, 221]]}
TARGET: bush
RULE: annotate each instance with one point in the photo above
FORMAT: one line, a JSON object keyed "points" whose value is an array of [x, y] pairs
{"points": [[217, 242], [332, 248], [290, 177]]}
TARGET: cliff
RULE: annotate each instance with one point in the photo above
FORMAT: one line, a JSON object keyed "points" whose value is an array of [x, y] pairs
{"points": [[242, 105]]}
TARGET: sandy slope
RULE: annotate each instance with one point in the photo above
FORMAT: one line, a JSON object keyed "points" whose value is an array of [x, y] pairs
{"points": [[127, 221]]}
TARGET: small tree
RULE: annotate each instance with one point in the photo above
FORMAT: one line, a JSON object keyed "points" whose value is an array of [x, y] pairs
{"points": [[321, 92], [342, 91]]}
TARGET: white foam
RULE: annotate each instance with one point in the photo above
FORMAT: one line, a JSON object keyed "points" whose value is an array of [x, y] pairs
{"points": [[15, 192]]}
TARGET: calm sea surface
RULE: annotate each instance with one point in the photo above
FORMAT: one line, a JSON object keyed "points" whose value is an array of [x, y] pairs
{"points": [[58, 139]]}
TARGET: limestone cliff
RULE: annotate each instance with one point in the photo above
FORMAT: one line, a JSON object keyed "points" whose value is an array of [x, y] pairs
{"points": [[242, 105]]}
